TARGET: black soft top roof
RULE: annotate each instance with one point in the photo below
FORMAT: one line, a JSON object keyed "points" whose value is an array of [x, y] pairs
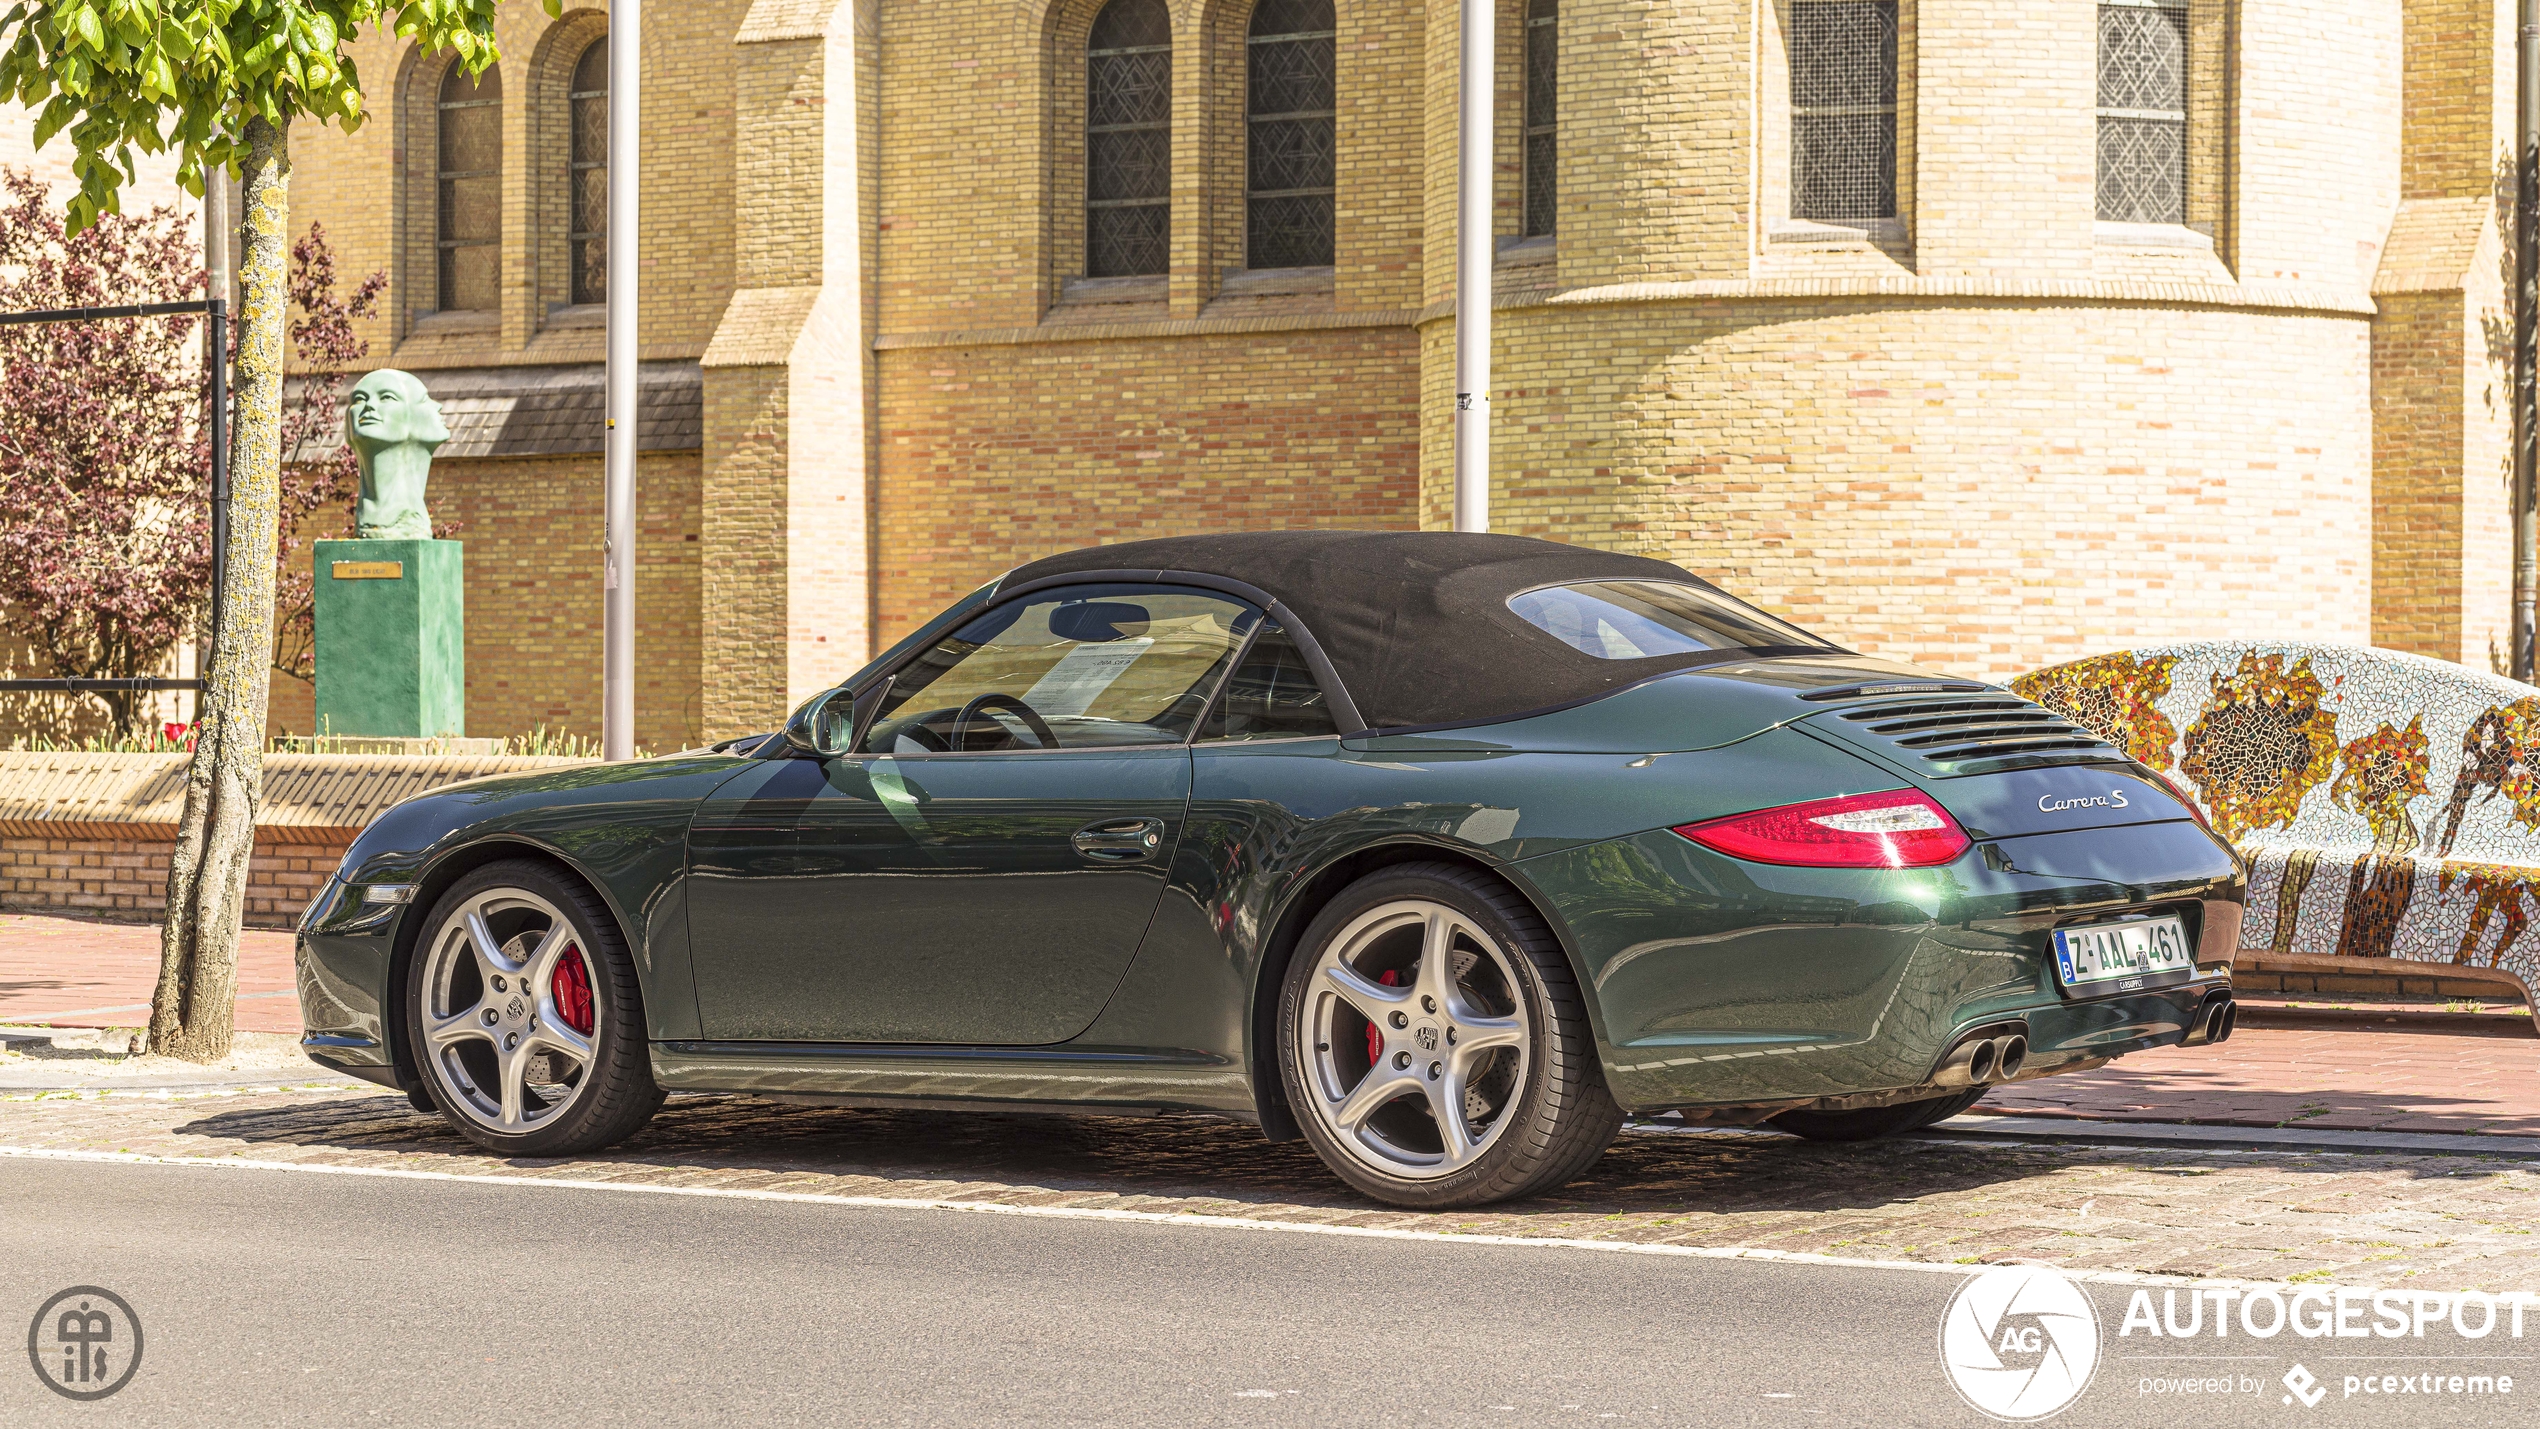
{"points": [[1415, 624]]}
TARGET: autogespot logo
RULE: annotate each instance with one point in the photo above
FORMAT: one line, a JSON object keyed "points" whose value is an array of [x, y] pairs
{"points": [[2020, 1342]]}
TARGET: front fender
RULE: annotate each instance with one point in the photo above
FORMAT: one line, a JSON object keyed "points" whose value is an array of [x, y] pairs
{"points": [[620, 828]]}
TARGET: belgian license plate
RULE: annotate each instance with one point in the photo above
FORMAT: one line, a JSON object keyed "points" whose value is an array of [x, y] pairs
{"points": [[2124, 957]]}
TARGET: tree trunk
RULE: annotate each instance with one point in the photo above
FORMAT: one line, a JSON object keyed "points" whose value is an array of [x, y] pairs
{"points": [[191, 1013]]}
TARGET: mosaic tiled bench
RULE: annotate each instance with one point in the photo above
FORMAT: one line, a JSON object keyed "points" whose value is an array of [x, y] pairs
{"points": [[2388, 805]]}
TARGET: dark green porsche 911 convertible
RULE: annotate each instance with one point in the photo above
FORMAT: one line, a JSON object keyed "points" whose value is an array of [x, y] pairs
{"points": [[1443, 851]]}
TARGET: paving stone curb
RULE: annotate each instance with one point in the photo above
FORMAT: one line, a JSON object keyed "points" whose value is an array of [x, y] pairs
{"points": [[2032, 1127]]}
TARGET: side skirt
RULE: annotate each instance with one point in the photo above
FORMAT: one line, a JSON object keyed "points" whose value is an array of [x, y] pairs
{"points": [[1093, 1081]]}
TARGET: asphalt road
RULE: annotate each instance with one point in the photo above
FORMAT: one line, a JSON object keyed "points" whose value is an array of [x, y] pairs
{"points": [[288, 1298]]}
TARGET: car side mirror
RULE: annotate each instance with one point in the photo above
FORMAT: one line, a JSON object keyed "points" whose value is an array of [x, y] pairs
{"points": [[868, 706], [823, 728]]}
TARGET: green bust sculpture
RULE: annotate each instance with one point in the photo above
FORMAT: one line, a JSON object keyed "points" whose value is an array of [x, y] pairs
{"points": [[393, 427]]}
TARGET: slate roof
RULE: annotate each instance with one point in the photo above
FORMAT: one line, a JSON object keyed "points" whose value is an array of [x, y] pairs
{"points": [[557, 411]]}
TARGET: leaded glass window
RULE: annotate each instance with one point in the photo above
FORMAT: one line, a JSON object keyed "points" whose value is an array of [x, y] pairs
{"points": [[1543, 93], [1128, 139], [1842, 110], [469, 178], [1288, 118], [589, 99], [2143, 112]]}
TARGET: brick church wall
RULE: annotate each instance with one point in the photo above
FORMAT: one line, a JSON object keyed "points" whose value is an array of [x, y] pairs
{"points": [[993, 455]]}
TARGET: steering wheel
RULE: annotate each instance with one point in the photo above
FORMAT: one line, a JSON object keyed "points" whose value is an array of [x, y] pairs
{"points": [[993, 700], [916, 732]]}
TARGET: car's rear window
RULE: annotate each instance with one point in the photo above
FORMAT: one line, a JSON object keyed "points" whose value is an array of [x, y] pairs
{"points": [[1634, 620]]}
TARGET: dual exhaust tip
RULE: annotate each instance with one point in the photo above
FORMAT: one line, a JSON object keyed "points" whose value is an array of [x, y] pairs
{"points": [[1984, 1056], [1996, 1053], [2213, 1022]]}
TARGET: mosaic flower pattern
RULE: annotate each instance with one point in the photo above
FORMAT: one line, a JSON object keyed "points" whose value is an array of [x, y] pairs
{"points": [[2262, 742], [2491, 889], [2498, 755], [2376, 777], [2417, 779], [2116, 696]]}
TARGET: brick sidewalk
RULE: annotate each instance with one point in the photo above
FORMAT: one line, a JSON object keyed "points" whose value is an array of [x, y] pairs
{"points": [[79, 972], [2432, 1222], [2321, 1076]]}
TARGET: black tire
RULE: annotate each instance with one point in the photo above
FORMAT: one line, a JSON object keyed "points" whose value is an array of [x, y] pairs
{"points": [[1553, 1119], [1871, 1123], [613, 1094]]}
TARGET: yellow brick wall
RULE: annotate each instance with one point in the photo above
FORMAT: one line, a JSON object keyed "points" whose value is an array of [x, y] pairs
{"points": [[1984, 488], [997, 455], [965, 173], [373, 189], [2317, 139], [1657, 139], [2442, 533], [1377, 248]]}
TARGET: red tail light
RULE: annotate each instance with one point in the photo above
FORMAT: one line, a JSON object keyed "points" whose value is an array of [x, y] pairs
{"points": [[1897, 829]]}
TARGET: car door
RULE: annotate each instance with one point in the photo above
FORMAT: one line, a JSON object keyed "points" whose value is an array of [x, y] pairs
{"points": [[980, 870]]}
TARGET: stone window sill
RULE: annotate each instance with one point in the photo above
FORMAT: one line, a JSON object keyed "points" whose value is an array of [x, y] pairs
{"points": [[2158, 237], [565, 316], [1537, 252], [452, 324], [1807, 233], [1140, 298], [1143, 288], [1274, 282], [1272, 292]]}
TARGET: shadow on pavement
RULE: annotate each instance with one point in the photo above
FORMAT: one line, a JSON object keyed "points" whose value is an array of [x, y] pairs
{"points": [[917, 1153]]}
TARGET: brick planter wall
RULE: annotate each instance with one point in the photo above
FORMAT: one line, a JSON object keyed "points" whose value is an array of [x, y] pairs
{"points": [[94, 832], [130, 875]]}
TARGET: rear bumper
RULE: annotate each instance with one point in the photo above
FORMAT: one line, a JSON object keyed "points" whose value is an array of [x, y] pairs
{"points": [[1715, 982], [2063, 1037]]}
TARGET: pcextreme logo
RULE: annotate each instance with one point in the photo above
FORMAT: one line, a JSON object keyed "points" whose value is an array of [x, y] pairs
{"points": [[2445, 1359], [2020, 1342]]}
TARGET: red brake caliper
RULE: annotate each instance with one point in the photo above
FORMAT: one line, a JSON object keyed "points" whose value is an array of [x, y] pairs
{"points": [[573, 991], [1376, 1038]]}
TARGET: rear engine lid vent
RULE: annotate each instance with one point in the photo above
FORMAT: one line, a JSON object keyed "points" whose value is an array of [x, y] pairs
{"points": [[1951, 734]]}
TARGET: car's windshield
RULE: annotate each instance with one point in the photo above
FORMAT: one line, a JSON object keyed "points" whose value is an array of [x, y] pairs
{"points": [[1078, 667], [1634, 620]]}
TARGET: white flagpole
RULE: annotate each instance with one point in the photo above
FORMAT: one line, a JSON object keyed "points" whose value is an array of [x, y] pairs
{"points": [[617, 622], [1474, 86]]}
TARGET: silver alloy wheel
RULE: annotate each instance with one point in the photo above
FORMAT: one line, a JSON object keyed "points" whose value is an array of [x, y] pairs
{"points": [[501, 1051], [1450, 1047]]}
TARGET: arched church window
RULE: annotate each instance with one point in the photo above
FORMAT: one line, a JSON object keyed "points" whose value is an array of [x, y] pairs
{"points": [[2143, 111], [589, 99], [1543, 97], [1288, 112], [1128, 139], [1842, 110], [469, 180]]}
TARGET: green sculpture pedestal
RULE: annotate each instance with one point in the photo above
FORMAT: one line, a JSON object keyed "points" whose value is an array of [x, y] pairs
{"points": [[391, 638]]}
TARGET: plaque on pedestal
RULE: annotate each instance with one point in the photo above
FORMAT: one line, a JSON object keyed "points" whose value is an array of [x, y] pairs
{"points": [[391, 638]]}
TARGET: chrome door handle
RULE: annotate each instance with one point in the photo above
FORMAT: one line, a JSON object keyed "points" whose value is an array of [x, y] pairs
{"points": [[1119, 840]]}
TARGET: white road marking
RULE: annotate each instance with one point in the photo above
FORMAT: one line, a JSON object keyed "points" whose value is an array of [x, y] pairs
{"points": [[1096, 1213]]}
